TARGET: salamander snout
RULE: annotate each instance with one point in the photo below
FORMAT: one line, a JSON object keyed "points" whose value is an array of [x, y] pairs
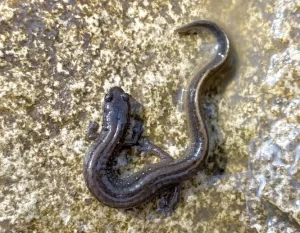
{"points": [[116, 93]]}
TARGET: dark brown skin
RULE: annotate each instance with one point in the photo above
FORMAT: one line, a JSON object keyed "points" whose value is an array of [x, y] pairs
{"points": [[101, 179]]}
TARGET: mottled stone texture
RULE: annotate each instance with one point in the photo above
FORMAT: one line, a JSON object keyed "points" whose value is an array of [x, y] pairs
{"points": [[57, 59]]}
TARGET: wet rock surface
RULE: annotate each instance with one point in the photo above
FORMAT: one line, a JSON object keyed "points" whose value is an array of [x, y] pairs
{"points": [[57, 60]]}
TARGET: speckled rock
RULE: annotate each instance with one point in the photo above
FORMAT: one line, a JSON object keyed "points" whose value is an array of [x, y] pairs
{"points": [[57, 60]]}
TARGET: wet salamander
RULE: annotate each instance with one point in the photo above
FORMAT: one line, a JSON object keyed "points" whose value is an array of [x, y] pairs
{"points": [[118, 192]]}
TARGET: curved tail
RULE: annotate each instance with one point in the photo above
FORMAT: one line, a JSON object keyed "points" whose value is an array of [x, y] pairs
{"points": [[217, 31]]}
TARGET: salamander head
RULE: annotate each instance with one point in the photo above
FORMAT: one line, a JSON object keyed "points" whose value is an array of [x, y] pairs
{"points": [[116, 108]]}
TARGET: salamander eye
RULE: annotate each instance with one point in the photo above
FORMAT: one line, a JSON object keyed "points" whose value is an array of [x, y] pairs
{"points": [[108, 97], [125, 97]]}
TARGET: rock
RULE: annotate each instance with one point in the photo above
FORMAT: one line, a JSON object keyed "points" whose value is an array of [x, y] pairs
{"points": [[57, 60]]}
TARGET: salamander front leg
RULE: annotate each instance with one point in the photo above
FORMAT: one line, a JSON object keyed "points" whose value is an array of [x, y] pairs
{"points": [[133, 133], [92, 131]]}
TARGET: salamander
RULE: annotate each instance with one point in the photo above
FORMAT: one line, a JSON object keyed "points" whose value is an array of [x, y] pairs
{"points": [[126, 192]]}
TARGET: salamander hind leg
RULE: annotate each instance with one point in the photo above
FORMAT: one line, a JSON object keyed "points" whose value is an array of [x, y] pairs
{"points": [[147, 146], [168, 200]]}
